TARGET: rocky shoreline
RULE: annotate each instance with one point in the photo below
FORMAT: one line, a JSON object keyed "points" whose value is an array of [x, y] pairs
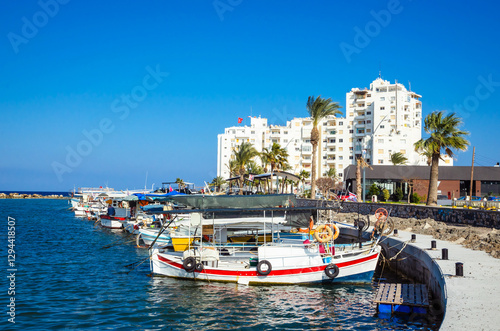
{"points": [[31, 196], [474, 237]]}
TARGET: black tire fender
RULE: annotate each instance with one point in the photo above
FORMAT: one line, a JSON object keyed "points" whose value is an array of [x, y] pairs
{"points": [[189, 264], [199, 267], [264, 271], [332, 270]]}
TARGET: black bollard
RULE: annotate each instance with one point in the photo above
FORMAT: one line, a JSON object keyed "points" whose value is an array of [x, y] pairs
{"points": [[396, 232], [413, 238], [433, 244], [444, 254], [459, 269]]}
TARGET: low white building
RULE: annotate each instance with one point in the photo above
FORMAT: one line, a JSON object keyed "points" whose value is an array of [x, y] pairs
{"points": [[379, 121]]}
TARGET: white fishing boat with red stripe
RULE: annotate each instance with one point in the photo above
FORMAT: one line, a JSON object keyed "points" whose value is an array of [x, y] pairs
{"points": [[275, 256], [273, 264]]}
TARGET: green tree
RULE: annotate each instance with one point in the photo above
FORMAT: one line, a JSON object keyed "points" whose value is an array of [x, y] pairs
{"points": [[373, 190], [276, 157], [303, 175], [445, 136], [318, 108], [385, 194], [217, 182], [398, 159], [243, 155], [398, 194], [180, 183]]}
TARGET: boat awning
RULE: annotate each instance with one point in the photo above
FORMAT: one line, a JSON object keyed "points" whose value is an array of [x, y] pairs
{"points": [[235, 201], [281, 174]]}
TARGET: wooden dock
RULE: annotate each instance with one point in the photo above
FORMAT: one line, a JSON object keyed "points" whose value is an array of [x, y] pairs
{"points": [[402, 298]]}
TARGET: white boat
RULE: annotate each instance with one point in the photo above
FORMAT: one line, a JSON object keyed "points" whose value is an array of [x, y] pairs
{"points": [[273, 264]]}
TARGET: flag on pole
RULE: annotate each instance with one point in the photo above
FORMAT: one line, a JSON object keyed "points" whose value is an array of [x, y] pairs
{"points": [[240, 120], [352, 197], [250, 178]]}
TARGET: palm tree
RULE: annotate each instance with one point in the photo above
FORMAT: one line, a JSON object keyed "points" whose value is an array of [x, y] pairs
{"points": [[398, 159], [303, 175], [318, 109], [445, 135], [180, 183], [243, 155], [276, 157], [332, 174], [218, 182]]}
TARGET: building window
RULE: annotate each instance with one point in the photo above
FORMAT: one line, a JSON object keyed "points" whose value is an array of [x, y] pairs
{"points": [[341, 140], [382, 98], [382, 108], [380, 161], [351, 131], [368, 121], [382, 126], [341, 157], [381, 141], [381, 151], [350, 157], [341, 123], [341, 149], [368, 113], [403, 151], [341, 131]]}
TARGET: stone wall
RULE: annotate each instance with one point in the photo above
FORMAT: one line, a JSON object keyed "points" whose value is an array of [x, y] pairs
{"points": [[472, 217]]}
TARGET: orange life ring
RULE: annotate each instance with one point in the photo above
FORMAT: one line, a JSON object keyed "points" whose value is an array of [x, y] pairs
{"points": [[336, 231], [381, 213], [321, 236], [143, 203]]}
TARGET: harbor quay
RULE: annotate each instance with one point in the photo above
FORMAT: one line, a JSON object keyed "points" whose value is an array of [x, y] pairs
{"points": [[457, 258]]}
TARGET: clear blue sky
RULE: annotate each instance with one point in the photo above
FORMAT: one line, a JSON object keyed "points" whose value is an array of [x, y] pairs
{"points": [[71, 70]]}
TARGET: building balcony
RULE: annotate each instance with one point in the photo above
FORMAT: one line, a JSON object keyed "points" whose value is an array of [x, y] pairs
{"points": [[306, 161]]}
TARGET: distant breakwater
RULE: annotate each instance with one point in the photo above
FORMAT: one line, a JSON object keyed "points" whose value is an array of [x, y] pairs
{"points": [[31, 196]]}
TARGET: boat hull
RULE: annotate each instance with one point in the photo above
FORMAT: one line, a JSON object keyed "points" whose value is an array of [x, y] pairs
{"points": [[355, 269], [110, 222]]}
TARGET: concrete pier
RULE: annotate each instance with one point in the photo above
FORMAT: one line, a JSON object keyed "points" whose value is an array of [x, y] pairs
{"points": [[470, 302]]}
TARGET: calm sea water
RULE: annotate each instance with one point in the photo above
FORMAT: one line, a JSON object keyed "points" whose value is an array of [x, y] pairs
{"points": [[68, 277]]}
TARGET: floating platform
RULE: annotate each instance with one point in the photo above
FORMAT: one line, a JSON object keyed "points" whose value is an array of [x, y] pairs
{"points": [[402, 298]]}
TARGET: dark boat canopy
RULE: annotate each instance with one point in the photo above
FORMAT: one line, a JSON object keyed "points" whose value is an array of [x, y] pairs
{"points": [[234, 201]]}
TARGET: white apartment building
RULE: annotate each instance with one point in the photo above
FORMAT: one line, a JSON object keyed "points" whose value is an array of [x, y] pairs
{"points": [[379, 121]]}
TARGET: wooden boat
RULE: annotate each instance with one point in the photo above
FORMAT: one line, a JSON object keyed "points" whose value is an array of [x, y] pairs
{"points": [[277, 261]]}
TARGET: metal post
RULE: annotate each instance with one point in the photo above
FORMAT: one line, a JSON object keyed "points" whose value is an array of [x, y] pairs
{"points": [[444, 254], [413, 238], [459, 269], [364, 186], [395, 232], [433, 244]]}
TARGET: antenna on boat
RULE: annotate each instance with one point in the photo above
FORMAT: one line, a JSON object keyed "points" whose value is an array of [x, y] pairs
{"points": [[145, 182]]}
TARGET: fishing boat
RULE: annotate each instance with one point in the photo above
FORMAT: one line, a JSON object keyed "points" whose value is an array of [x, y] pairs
{"points": [[208, 256]]}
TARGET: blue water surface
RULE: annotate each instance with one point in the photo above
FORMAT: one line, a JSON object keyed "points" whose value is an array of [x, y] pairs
{"points": [[71, 274]]}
